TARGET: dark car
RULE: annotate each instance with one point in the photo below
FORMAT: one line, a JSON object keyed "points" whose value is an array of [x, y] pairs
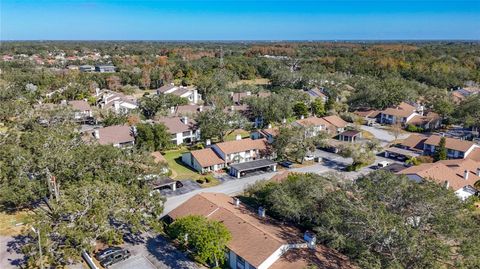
{"points": [[115, 257], [286, 164], [102, 254]]}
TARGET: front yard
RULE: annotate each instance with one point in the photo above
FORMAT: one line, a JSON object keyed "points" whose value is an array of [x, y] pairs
{"points": [[181, 171], [12, 224]]}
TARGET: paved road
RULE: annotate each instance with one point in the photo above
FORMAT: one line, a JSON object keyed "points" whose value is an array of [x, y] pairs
{"points": [[10, 255], [382, 134], [331, 163]]}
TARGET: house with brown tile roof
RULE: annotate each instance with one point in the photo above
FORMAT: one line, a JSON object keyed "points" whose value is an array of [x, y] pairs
{"points": [[314, 125], [121, 136], [222, 155], [182, 129], [456, 148], [431, 121], [203, 160], [257, 240], [81, 109], [187, 110], [338, 123], [402, 114], [459, 175], [414, 142]]}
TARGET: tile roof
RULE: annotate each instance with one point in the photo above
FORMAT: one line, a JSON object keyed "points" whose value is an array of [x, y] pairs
{"points": [[80, 105], [242, 145], [115, 134], [175, 125], [475, 154], [206, 157], [336, 121], [451, 143], [274, 131], [422, 120], [402, 110], [312, 121], [367, 113], [449, 170], [321, 257], [414, 141], [254, 239], [158, 157], [165, 88]]}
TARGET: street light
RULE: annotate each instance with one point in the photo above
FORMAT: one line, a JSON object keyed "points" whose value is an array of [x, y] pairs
{"points": [[39, 245]]}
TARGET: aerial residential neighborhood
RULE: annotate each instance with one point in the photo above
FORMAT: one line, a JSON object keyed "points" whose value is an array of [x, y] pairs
{"points": [[239, 134]]}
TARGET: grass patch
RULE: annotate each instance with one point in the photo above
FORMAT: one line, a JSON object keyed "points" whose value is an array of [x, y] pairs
{"points": [[179, 169], [209, 181], [12, 224], [233, 135], [256, 81]]}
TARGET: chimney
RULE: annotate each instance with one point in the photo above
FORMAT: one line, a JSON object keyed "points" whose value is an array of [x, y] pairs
{"points": [[446, 184], [97, 91], [284, 120], [478, 171], [185, 120], [236, 201], [172, 110], [134, 131], [302, 117], [200, 108], [116, 105], [311, 239], [232, 108], [63, 102], [465, 174], [261, 212], [249, 93], [238, 137], [269, 126], [96, 134], [208, 142]]}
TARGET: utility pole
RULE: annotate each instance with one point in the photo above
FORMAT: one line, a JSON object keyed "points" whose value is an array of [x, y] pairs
{"points": [[37, 231]]}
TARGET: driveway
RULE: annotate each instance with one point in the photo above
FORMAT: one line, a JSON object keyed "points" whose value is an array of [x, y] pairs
{"points": [[156, 252], [10, 254], [383, 134]]}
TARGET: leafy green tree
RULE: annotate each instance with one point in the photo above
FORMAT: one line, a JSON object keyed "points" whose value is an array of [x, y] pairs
{"points": [[300, 109], [440, 150], [294, 142], [206, 238], [91, 211], [317, 107], [217, 123], [150, 105], [152, 137]]}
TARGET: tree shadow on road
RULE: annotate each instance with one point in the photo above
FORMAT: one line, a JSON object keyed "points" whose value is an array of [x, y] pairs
{"points": [[168, 254], [15, 246]]}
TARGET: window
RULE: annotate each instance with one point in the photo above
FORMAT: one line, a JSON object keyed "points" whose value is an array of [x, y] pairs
{"points": [[240, 262], [187, 133]]}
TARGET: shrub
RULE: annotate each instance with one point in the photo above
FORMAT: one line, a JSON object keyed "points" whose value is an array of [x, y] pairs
{"points": [[414, 129], [200, 181], [207, 179]]}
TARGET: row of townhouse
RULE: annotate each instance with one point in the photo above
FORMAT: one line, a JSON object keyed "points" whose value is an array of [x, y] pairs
{"points": [[427, 145], [258, 241], [404, 114], [190, 93], [225, 154]]}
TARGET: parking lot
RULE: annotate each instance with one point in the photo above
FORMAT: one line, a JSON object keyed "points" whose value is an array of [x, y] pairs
{"points": [[137, 262]]}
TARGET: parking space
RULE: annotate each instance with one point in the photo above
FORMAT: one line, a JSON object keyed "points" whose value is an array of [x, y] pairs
{"points": [[137, 262]]}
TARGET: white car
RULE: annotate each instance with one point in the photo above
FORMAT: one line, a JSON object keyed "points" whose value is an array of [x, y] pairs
{"points": [[383, 164], [309, 157]]}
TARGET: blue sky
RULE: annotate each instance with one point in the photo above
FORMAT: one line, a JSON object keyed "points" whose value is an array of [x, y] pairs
{"points": [[238, 20]]}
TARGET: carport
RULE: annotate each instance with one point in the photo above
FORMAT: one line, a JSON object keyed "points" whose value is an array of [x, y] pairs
{"points": [[239, 169], [402, 152], [162, 183]]}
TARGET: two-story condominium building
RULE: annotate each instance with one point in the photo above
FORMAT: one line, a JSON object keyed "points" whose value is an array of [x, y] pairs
{"points": [[81, 108], [258, 241], [332, 124], [401, 114], [116, 102], [456, 148], [458, 175], [120, 136], [182, 129], [105, 68], [225, 154], [190, 93]]}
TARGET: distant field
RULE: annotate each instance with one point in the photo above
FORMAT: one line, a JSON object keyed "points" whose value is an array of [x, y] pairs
{"points": [[257, 81]]}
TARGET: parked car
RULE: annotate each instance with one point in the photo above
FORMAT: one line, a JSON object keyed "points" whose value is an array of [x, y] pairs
{"points": [[309, 157], [102, 254], [286, 164], [112, 255], [383, 164]]}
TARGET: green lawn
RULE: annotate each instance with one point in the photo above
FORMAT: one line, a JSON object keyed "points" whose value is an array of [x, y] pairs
{"points": [[179, 169], [233, 135]]}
